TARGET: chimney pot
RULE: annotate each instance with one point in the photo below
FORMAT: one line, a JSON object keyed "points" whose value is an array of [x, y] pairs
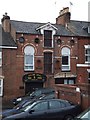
{"points": [[6, 22], [5, 13]]}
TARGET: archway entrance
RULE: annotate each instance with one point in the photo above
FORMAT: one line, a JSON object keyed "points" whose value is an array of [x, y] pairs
{"points": [[33, 81]]}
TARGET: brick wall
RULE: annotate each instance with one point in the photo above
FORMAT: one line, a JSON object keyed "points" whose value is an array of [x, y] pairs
{"points": [[78, 94], [9, 73]]}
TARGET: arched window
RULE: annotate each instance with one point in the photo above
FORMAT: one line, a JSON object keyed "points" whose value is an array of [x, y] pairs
{"points": [[65, 59], [29, 58]]}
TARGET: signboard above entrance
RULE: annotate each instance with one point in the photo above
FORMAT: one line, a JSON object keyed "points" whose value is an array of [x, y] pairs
{"points": [[34, 77]]}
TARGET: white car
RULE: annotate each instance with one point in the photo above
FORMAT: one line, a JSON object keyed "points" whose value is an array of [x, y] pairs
{"points": [[84, 115]]}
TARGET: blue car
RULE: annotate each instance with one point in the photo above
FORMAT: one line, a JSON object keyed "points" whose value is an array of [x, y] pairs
{"points": [[46, 109], [25, 102], [35, 94]]}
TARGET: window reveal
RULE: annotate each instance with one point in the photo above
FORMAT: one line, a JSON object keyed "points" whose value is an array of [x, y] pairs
{"points": [[47, 38]]}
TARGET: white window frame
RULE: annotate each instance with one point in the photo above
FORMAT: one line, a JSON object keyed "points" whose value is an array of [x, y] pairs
{"points": [[28, 51], [66, 52], [0, 58], [87, 47], [1, 87], [68, 81], [88, 70]]}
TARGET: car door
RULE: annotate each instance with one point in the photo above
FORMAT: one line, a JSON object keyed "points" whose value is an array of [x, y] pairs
{"points": [[39, 111], [56, 110]]}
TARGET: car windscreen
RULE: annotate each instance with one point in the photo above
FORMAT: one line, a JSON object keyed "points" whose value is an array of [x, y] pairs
{"points": [[27, 106], [36, 93]]}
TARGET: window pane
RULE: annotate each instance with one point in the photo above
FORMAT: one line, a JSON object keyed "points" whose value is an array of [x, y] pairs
{"points": [[71, 82], [41, 106], [54, 104], [28, 67], [65, 82], [88, 51], [65, 67], [48, 62], [1, 86], [0, 58], [89, 75], [87, 55], [65, 51], [65, 60], [29, 50], [47, 38], [0, 90], [0, 55], [87, 58], [29, 59]]}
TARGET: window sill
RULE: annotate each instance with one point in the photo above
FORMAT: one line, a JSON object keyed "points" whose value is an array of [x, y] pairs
{"points": [[26, 70], [65, 70], [87, 62], [48, 47]]}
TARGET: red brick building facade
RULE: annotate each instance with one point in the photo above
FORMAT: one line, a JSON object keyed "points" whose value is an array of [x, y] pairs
{"points": [[60, 52]]}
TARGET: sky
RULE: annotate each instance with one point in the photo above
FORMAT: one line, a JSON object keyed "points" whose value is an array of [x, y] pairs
{"points": [[43, 10]]}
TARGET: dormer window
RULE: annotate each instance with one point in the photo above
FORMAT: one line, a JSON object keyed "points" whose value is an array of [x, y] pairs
{"points": [[47, 38], [48, 31]]}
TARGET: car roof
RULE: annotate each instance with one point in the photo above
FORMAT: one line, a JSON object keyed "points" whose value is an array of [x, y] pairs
{"points": [[45, 90], [39, 100]]}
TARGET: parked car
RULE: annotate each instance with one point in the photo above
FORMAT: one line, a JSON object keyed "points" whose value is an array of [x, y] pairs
{"points": [[48, 109], [24, 102], [34, 94], [85, 115]]}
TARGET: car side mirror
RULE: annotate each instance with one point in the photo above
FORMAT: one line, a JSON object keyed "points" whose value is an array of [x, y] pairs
{"points": [[31, 111]]}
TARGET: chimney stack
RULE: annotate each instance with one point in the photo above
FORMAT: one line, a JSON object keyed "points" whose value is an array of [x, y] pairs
{"points": [[6, 23], [64, 16]]}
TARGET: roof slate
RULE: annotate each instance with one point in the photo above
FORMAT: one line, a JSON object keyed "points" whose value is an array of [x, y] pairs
{"points": [[79, 28], [6, 39], [74, 28]]}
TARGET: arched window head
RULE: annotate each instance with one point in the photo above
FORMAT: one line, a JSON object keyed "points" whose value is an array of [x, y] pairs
{"points": [[29, 50], [65, 52], [29, 58]]}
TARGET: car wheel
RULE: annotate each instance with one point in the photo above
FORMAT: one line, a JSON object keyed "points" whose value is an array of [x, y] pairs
{"points": [[68, 117]]}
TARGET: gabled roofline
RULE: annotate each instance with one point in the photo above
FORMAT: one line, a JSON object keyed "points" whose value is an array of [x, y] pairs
{"points": [[46, 25]]}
